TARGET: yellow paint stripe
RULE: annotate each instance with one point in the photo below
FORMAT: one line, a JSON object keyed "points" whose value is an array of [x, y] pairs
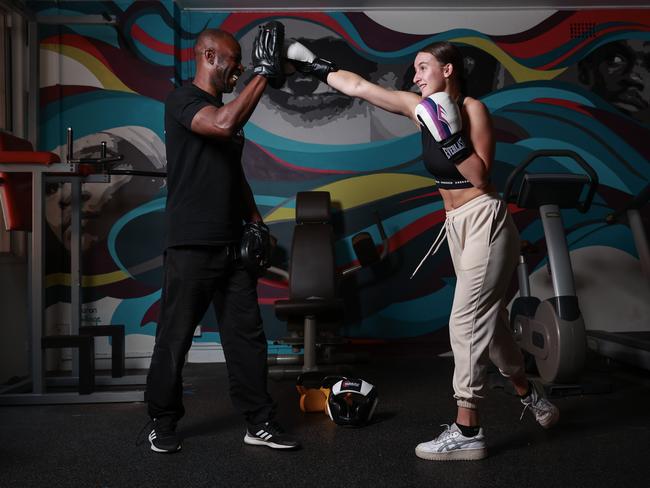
{"points": [[360, 190], [518, 71], [87, 281], [105, 76]]}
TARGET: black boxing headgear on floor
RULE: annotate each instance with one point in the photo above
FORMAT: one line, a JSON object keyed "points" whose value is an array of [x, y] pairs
{"points": [[352, 402]]}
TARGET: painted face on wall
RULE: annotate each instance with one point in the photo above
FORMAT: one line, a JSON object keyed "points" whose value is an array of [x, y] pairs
{"points": [[102, 204], [307, 110], [619, 72], [94, 198]]}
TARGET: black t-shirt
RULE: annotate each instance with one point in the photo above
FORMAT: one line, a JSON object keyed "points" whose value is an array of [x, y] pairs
{"points": [[204, 176]]}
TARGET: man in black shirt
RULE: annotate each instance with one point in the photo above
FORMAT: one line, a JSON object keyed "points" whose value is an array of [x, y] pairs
{"points": [[208, 199]]}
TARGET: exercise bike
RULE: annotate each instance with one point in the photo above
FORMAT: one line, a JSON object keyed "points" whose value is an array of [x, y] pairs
{"points": [[552, 330]]}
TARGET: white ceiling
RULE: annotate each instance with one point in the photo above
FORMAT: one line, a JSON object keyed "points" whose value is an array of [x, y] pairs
{"points": [[361, 5]]}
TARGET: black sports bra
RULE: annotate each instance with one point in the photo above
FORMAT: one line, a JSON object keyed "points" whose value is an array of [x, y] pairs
{"points": [[444, 171]]}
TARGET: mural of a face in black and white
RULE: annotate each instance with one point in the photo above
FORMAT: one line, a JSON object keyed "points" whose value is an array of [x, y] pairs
{"points": [[103, 203], [305, 103], [619, 72]]}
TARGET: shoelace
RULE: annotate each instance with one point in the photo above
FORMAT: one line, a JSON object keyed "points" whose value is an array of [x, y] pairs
{"points": [[139, 440], [534, 403], [526, 405], [437, 242], [273, 428], [446, 433]]}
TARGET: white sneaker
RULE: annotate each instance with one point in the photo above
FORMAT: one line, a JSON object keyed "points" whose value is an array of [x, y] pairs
{"points": [[452, 445], [545, 412]]}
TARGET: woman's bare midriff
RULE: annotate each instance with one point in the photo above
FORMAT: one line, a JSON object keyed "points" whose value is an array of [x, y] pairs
{"points": [[457, 198]]}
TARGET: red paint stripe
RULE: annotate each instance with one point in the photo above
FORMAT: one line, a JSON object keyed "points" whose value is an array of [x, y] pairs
{"points": [[270, 301], [408, 233], [397, 240], [302, 168], [80, 42], [140, 35], [557, 61], [560, 34], [418, 197], [415, 229], [49, 94], [187, 54], [273, 283], [576, 107], [514, 209], [234, 23], [154, 44]]}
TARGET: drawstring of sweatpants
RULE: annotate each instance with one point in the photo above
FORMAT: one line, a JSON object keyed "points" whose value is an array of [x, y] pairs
{"points": [[434, 247]]}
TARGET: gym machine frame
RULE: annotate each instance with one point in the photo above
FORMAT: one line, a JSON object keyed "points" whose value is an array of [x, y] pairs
{"points": [[553, 330], [282, 365], [72, 171], [631, 347]]}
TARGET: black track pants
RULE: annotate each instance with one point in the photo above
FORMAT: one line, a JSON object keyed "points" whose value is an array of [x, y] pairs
{"points": [[194, 276]]}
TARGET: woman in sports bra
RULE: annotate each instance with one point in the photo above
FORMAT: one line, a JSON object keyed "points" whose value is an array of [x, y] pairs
{"points": [[458, 149]]}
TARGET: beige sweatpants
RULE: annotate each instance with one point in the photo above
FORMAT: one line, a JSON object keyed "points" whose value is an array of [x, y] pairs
{"points": [[484, 245]]}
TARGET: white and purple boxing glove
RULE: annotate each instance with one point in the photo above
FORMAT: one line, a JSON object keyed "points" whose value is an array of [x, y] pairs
{"points": [[440, 115]]}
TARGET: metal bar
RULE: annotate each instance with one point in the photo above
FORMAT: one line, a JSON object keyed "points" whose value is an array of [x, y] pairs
{"points": [[37, 270], [63, 168], [17, 7], [522, 277], [558, 251], [640, 240], [76, 268], [33, 84], [71, 398], [69, 144], [118, 355], [26, 383], [354, 268], [86, 353], [100, 380], [309, 363], [135, 172], [118, 349], [391, 5], [610, 348], [18, 76], [97, 161]]}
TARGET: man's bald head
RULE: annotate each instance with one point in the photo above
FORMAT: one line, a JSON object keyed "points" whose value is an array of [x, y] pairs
{"points": [[212, 39], [218, 61]]}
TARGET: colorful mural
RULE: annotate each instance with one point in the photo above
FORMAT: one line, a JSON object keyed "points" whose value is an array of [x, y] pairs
{"points": [[576, 80]]}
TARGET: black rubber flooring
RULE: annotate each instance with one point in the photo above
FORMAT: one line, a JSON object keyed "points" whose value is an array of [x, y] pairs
{"points": [[601, 441]]}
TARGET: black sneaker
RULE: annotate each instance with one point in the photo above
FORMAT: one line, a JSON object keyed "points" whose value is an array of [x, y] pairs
{"points": [[163, 437], [269, 434]]}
